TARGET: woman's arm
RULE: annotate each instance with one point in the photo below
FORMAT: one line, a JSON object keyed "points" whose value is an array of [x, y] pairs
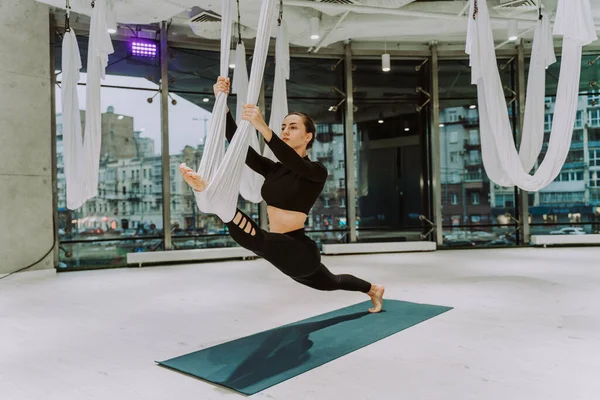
{"points": [[258, 163], [310, 170]]}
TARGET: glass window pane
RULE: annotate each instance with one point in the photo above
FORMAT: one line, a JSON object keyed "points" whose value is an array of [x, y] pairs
{"points": [[390, 149], [474, 210]]}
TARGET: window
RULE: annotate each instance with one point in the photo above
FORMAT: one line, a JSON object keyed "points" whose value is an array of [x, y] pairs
{"points": [[505, 200], [548, 122], [342, 183], [474, 156], [562, 197], [453, 137], [474, 138], [594, 158], [475, 198], [594, 178], [569, 176], [594, 117], [473, 176], [475, 218], [453, 116], [593, 99], [454, 157], [579, 120], [453, 199]]}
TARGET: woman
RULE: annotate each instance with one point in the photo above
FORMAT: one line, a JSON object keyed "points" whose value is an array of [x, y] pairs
{"points": [[286, 246]]}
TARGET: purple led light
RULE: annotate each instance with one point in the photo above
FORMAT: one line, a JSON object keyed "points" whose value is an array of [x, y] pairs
{"points": [[143, 49]]}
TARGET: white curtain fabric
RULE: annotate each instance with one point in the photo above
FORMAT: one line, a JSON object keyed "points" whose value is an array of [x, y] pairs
{"points": [[82, 154], [72, 138], [502, 163], [251, 184], [223, 171]]}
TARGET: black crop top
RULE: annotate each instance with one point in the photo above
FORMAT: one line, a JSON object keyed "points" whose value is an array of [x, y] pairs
{"points": [[292, 184]]}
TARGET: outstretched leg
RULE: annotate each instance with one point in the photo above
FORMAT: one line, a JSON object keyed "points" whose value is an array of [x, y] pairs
{"points": [[323, 279]]}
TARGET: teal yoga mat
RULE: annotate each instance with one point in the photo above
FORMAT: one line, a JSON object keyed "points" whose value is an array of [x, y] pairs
{"points": [[254, 363]]}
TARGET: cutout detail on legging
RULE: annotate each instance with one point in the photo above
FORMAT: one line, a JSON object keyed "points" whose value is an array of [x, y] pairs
{"points": [[244, 224]]}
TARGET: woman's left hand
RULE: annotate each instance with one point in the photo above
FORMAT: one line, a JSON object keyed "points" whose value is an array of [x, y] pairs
{"points": [[252, 113]]}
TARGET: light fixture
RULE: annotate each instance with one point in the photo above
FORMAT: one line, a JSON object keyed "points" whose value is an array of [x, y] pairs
{"points": [[315, 28], [472, 106], [333, 108], [206, 99], [442, 125], [232, 59], [385, 62], [513, 30], [380, 121], [406, 126], [143, 48]]}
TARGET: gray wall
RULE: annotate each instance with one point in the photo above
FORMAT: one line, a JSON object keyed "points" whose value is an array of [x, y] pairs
{"points": [[26, 225]]}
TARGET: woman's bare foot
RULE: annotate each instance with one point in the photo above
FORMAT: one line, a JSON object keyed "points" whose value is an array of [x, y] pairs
{"points": [[376, 295], [192, 178]]}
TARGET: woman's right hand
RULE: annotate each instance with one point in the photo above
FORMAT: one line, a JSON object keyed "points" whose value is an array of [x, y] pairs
{"points": [[222, 85]]}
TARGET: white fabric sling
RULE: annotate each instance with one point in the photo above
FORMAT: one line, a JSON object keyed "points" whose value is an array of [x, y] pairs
{"points": [[279, 105], [223, 171], [82, 154], [502, 163], [251, 184]]}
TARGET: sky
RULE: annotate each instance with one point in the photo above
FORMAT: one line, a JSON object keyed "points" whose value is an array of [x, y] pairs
{"points": [[186, 120]]}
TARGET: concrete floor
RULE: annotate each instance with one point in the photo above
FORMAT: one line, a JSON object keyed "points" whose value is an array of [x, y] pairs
{"points": [[526, 325]]}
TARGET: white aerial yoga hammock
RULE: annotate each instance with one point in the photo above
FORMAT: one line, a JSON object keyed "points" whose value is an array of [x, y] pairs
{"points": [[223, 171], [502, 163], [82, 153], [252, 182]]}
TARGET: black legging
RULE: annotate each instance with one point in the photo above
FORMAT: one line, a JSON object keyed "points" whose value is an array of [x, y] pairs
{"points": [[293, 253]]}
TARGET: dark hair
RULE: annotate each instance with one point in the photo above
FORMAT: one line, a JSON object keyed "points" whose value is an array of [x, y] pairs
{"points": [[309, 124]]}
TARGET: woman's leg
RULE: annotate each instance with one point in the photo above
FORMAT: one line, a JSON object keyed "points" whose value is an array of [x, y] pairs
{"points": [[290, 256], [293, 258], [246, 233], [323, 279]]}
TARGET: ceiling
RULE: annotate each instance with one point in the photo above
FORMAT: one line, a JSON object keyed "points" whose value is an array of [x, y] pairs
{"points": [[192, 72], [370, 24]]}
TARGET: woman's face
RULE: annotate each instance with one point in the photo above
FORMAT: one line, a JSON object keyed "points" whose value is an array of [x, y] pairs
{"points": [[293, 132]]}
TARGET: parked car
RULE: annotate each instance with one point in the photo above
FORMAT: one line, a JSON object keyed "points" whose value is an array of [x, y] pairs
{"points": [[569, 231], [459, 243], [500, 242]]}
